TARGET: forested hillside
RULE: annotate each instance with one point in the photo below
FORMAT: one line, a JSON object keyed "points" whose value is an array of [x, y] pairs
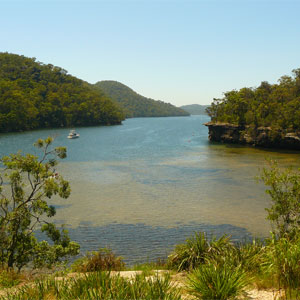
{"points": [[270, 105], [35, 95], [195, 109], [136, 105]]}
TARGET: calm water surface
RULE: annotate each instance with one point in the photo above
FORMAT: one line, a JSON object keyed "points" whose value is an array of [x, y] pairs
{"points": [[144, 186]]}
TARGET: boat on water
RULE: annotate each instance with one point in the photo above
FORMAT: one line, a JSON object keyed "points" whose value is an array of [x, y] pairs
{"points": [[73, 134]]}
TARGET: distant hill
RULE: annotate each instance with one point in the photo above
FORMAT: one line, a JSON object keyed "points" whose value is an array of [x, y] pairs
{"points": [[35, 95], [195, 109], [135, 105]]}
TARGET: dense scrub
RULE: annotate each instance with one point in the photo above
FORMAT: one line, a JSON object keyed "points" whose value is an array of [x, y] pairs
{"points": [[269, 105], [136, 105], [102, 260], [214, 269], [220, 269], [98, 285], [35, 95]]}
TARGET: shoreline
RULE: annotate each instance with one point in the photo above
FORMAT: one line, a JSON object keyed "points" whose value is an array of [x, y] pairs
{"points": [[264, 137]]}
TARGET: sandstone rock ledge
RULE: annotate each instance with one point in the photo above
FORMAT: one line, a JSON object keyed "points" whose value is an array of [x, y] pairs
{"points": [[261, 136]]}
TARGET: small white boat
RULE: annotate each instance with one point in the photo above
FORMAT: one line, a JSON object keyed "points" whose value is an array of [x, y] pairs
{"points": [[73, 134]]}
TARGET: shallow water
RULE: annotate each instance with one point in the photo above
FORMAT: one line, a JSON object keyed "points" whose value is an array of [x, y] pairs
{"points": [[142, 187]]}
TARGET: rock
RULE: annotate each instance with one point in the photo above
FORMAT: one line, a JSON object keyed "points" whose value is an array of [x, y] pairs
{"points": [[261, 136]]}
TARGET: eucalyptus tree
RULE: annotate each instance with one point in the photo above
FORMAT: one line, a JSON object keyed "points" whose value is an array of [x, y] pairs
{"points": [[27, 182]]}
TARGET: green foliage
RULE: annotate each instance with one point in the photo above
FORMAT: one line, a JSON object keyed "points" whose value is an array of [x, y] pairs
{"points": [[249, 256], [35, 95], [195, 250], [99, 285], [282, 253], [192, 253], [284, 190], [9, 278], [213, 281], [135, 105], [276, 106], [102, 260], [26, 182], [281, 261]]}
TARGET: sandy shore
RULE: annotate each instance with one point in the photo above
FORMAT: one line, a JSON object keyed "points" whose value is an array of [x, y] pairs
{"points": [[178, 280]]}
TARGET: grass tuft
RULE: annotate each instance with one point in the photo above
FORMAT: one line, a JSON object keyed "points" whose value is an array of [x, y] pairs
{"points": [[99, 285], [217, 282], [10, 278], [196, 250]]}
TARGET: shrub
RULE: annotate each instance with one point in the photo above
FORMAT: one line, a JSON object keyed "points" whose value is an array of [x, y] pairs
{"points": [[102, 260], [217, 282], [195, 251], [9, 278], [282, 261], [99, 285], [284, 190], [247, 255]]}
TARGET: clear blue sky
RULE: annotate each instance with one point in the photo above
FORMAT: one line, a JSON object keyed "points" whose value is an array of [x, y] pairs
{"points": [[181, 52]]}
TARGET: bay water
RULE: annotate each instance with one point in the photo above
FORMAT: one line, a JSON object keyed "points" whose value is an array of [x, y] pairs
{"points": [[142, 187]]}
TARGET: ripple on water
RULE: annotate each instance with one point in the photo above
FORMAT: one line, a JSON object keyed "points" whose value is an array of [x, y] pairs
{"points": [[143, 187], [139, 243]]}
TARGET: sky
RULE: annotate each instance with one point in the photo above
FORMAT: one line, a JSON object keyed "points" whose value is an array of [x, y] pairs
{"points": [[178, 51]]}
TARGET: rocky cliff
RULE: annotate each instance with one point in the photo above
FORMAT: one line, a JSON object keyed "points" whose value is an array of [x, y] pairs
{"points": [[261, 136]]}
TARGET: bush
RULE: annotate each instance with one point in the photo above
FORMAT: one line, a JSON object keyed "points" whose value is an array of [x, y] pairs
{"points": [[102, 260], [248, 256], [98, 285], [217, 282], [9, 278], [195, 251], [284, 190], [282, 259]]}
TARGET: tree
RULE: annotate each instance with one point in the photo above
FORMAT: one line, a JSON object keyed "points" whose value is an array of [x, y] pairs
{"points": [[26, 182], [284, 190], [34, 95], [269, 105]]}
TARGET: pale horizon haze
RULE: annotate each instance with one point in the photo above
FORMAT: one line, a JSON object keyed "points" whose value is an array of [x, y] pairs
{"points": [[182, 52]]}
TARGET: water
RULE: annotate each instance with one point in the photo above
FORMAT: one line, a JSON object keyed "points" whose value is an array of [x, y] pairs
{"points": [[144, 186]]}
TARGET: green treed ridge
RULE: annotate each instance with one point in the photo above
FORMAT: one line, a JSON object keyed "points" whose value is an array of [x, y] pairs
{"points": [[136, 105], [195, 109], [269, 105], [35, 95]]}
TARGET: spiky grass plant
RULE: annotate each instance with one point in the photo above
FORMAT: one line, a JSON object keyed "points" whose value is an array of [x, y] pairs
{"points": [[192, 253], [196, 250], [250, 256], [40, 289], [98, 285], [10, 278], [246, 255], [214, 281], [282, 262]]}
